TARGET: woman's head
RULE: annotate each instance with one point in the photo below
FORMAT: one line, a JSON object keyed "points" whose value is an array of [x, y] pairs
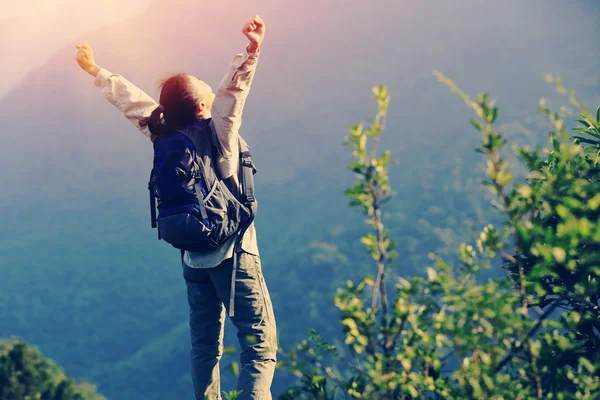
{"points": [[183, 99]]}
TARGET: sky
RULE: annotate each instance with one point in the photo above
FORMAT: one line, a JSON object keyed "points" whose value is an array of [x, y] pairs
{"points": [[16, 8], [13, 8], [33, 30]]}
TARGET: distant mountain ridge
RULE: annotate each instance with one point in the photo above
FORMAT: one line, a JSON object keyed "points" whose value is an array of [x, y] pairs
{"points": [[300, 79]]}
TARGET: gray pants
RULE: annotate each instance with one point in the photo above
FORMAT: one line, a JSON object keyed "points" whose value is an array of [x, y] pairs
{"points": [[208, 295]]}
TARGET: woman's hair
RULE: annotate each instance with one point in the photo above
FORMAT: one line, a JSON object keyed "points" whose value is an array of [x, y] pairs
{"points": [[178, 105]]}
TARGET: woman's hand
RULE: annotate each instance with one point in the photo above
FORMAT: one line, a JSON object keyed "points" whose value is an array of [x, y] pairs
{"points": [[255, 32], [85, 59]]}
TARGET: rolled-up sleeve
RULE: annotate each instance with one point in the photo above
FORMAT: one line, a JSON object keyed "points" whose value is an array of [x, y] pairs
{"points": [[133, 102], [230, 99]]}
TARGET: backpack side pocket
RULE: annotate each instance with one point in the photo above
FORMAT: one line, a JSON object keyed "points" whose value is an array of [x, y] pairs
{"points": [[225, 211]]}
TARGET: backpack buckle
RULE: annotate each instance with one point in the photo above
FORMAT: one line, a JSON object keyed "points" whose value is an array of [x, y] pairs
{"points": [[179, 171]]}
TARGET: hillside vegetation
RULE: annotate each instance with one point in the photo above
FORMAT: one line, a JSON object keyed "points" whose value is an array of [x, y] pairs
{"points": [[534, 334]]}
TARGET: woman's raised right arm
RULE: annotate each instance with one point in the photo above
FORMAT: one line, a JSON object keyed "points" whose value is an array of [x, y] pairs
{"points": [[132, 101]]}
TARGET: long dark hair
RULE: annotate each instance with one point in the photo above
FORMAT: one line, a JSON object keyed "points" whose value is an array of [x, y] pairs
{"points": [[178, 106]]}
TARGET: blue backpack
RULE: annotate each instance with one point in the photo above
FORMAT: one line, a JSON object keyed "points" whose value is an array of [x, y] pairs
{"points": [[198, 210]]}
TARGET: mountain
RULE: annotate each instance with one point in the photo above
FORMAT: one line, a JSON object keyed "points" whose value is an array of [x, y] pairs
{"points": [[83, 276]]}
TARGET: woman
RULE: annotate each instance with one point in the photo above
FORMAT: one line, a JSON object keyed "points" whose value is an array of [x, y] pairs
{"points": [[183, 100]]}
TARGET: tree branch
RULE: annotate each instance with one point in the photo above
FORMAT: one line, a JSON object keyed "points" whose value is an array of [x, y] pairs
{"points": [[530, 334]]}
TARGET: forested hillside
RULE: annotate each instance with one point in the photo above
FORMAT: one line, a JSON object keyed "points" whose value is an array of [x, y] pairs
{"points": [[26, 375], [82, 275]]}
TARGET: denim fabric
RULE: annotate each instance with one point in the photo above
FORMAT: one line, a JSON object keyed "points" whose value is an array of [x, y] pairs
{"points": [[208, 296]]}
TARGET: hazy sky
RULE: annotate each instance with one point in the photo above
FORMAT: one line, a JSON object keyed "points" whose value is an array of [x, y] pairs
{"points": [[16, 8], [48, 25], [13, 8]]}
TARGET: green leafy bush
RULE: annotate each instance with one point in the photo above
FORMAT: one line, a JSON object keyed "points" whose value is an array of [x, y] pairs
{"points": [[26, 375], [533, 335]]}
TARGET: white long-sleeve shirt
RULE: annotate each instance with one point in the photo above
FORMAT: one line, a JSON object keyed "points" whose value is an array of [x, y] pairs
{"points": [[226, 112]]}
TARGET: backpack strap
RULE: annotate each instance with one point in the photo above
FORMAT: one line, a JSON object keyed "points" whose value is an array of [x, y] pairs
{"points": [[247, 171], [198, 177], [236, 249], [151, 189], [152, 201], [197, 173], [200, 198]]}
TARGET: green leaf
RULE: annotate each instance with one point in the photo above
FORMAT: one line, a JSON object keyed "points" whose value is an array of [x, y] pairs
{"points": [[585, 140], [584, 122], [362, 143], [235, 369], [358, 167], [585, 363], [494, 115], [477, 124], [432, 274], [562, 211], [555, 143], [559, 254]]}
